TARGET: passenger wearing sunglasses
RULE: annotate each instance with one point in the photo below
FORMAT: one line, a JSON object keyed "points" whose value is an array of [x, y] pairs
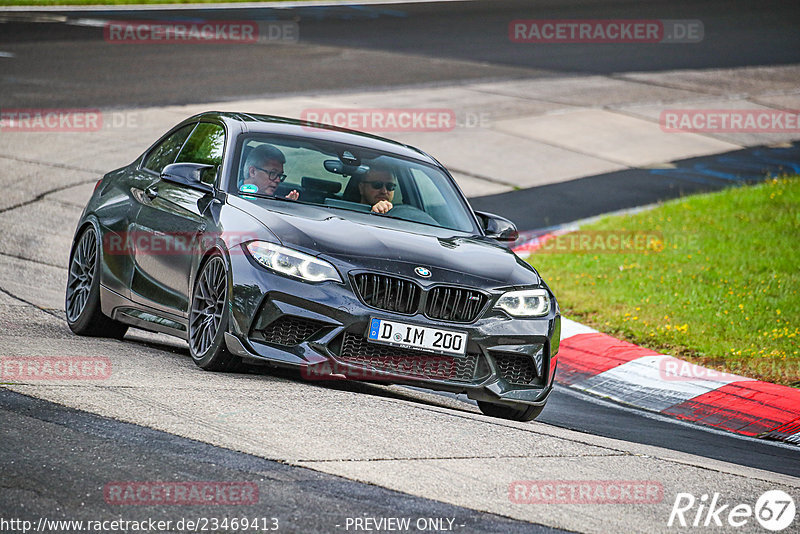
{"points": [[377, 190], [264, 169]]}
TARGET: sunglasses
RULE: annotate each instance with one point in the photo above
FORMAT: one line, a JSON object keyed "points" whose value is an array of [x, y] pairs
{"points": [[389, 186], [272, 175]]}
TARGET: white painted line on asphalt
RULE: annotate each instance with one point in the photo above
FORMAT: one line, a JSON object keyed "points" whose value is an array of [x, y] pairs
{"points": [[7, 54], [232, 5], [89, 23]]}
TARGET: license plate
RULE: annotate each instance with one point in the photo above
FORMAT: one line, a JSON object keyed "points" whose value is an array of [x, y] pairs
{"points": [[417, 337]]}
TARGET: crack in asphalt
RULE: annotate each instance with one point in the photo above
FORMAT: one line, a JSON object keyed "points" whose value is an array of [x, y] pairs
{"points": [[55, 165], [41, 196], [38, 262], [66, 203], [676, 87], [57, 313], [48, 311]]}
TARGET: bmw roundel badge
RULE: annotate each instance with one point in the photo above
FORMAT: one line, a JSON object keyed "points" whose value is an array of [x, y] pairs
{"points": [[423, 272]]}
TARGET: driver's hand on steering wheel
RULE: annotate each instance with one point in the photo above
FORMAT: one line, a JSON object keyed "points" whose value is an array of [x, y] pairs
{"points": [[382, 206]]}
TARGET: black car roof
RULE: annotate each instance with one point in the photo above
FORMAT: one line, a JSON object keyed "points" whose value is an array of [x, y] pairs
{"points": [[252, 122]]}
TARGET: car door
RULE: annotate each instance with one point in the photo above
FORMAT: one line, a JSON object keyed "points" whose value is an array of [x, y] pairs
{"points": [[170, 223], [122, 201]]}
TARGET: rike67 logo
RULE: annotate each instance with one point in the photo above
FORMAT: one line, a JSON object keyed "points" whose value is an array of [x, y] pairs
{"points": [[774, 510]]}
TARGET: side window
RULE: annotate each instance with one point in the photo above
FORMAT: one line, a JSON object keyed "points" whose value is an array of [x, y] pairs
{"points": [[431, 195], [436, 199], [205, 145], [165, 153]]}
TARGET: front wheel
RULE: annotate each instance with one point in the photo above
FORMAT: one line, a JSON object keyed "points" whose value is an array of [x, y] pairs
{"points": [[208, 318], [82, 299], [521, 412]]}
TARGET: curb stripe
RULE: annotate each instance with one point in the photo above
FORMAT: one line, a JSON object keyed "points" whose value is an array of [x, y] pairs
{"points": [[570, 328], [788, 432], [583, 356], [750, 408], [643, 382], [608, 367]]}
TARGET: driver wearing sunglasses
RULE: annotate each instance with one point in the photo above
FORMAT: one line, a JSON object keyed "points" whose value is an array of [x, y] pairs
{"points": [[377, 190], [264, 169]]}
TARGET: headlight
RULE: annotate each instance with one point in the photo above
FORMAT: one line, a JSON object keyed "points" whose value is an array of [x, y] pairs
{"points": [[527, 303], [292, 263]]}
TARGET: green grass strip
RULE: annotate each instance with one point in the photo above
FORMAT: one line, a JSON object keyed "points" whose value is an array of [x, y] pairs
{"points": [[716, 282]]}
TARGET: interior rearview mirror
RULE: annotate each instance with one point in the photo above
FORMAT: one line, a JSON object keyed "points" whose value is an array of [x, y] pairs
{"points": [[338, 167]]}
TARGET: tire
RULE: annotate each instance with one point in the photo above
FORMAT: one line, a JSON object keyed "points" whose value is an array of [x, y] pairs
{"points": [[521, 412], [82, 299], [208, 318]]}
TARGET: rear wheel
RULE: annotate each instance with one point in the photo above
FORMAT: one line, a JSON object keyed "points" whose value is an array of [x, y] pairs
{"points": [[208, 318], [82, 301], [521, 412]]}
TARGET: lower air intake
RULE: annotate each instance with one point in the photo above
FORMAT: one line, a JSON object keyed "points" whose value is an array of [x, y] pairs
{"points": [[288, 330], [356, 350], [515, 368]]}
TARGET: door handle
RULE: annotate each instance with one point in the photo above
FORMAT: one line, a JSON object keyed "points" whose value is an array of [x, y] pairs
{"points": [[151, 192]]}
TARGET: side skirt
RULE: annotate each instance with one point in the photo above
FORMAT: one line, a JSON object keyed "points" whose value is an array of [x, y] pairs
{"points": [[126, 311]]}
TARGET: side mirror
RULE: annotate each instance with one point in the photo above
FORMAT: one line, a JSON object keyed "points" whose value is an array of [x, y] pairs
{"points": [[188, 174], [497, 227]]}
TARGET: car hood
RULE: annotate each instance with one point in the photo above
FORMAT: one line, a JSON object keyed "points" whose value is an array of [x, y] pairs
{"points": [[324, 232]]}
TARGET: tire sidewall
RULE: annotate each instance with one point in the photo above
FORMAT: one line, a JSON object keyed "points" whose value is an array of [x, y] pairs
{"points": [[90, 308], [217, 343]]}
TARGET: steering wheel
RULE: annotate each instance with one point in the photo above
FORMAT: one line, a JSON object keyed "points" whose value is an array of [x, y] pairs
{"points": [[411, 213]]}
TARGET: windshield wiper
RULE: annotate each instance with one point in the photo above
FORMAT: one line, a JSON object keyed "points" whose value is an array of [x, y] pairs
{"points": [[270, 197]]}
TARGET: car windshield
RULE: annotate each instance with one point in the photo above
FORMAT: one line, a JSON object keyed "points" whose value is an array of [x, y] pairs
{"points": [[350, 178]]}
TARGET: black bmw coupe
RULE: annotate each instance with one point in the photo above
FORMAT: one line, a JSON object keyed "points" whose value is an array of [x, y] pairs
{"points": [[261, 239]]}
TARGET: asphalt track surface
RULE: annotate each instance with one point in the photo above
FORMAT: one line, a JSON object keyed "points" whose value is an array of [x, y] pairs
{"points": [[347, 47], [95, 450], [564, 202], [57, 64]]}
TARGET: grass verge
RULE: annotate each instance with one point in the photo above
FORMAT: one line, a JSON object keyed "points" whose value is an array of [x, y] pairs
{"points": [[711, 278]]}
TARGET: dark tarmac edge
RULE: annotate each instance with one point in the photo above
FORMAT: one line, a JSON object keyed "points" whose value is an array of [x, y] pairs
{"points": [[554, 204], [92, 451]]}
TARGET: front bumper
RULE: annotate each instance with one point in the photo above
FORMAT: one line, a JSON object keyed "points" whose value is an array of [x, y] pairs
{"points": [[320, 329]]}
